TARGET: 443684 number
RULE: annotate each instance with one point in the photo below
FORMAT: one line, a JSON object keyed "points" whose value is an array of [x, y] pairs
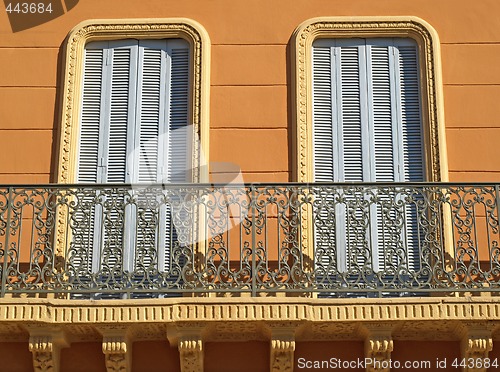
{"points": [[29, 8]]}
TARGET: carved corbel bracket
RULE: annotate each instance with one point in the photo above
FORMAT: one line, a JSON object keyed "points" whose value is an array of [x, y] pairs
{"points": [[282, 355], [282, 346], [191, 354], [476, 343], [45, 345], [378, 346], [117, 349], [189, 339]]}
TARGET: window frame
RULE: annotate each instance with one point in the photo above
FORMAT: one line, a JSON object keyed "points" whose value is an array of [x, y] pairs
{"points": [[366, 59], [107, 30], [369, 27], [71, 93], [431, 91]]}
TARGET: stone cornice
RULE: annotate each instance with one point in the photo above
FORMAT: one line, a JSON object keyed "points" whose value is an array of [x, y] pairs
{"points": [[188, 323], [234, 309], [234, 319]]}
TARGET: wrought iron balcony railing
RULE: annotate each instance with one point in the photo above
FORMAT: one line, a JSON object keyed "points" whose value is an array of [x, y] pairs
{"points": [[332, 240]]}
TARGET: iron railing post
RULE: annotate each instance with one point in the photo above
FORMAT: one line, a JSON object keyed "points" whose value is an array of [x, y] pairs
{"points": [[7, 243], [497, 199], [253, 209]]}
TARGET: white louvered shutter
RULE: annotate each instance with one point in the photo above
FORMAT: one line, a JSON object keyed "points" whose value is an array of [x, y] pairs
{"points": [[377, 137], [162, 119], [323, 152], [412, 144], [353, 132], [178, 109], [90, 121], [104, 141], [150, 121], [351, 86], [121, 66], [86, 236], [178, 147], [323, 137], [134, 94], [382, 125]]}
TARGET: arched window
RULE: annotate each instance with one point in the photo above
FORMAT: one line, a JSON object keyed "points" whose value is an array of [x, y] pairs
{"points": [[135, 111], [368, 109]]}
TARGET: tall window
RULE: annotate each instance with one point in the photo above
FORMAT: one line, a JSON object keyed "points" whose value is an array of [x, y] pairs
{"points": [[366, 111], [133, 129], [135, 97], [367, 127]]}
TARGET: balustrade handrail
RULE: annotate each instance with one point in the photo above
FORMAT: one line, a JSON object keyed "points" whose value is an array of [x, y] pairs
{"points": [[332, 239]]}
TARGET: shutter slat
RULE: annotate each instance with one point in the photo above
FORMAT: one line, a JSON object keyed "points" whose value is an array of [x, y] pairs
{"points": [[149, 116], [118, 115], [90, 116], [178, 116], [350, 102], [322, 114]]}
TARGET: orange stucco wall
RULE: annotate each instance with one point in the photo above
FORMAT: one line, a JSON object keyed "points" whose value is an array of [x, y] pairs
{"points": [[83, 357], [22, 362], [252, 356], [250, 101], [250, 116]]}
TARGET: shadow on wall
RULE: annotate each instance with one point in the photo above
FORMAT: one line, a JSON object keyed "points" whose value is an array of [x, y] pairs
{"points": [[27, 15]]}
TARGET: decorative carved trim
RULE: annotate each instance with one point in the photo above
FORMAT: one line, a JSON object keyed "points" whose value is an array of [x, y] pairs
{"points": [[282, 335], [117, 347], [253, 319], [343, 27], [45, 346], [378, 346], [113, 29], [68, 313], [476, 343], [191, 355], [117, 354], [282, 355], [188, 336]]}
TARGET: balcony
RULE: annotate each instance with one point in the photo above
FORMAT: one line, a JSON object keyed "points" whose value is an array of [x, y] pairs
{"points": [[313, 240]]}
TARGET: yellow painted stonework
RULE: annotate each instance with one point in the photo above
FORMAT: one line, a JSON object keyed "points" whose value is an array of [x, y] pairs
{"points": [[190, 323]]}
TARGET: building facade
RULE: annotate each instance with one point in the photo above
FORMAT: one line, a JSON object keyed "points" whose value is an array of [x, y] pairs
{"points": [[250, 186]]}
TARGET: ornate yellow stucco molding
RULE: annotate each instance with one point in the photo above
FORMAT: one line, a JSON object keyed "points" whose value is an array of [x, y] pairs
{"points": [[378, 345], [363, 27], [350, 27], [282, 345], [246, 318], [45, 344], [113, 29], [116, 347], [476, 344], [189, 323]]}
